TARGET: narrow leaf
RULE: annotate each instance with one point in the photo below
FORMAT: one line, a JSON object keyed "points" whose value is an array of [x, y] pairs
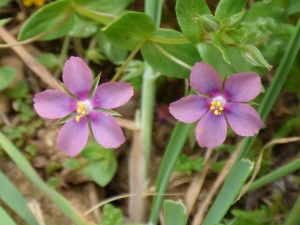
{"points": [[230, 190], [5, 218], [14, 199], [94, 86]]}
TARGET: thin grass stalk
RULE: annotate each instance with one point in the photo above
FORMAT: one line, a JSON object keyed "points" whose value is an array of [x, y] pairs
{"points": [[49, 192]]}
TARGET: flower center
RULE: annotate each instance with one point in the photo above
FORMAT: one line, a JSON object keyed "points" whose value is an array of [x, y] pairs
{"points": [[83, 108], [217, 105]]}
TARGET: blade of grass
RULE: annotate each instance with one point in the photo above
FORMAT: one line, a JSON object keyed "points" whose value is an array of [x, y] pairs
{"points": [[14, 199], [275, 175], [50, 193], [173, 151], [5, 218], [229, 192], [294, 217]]}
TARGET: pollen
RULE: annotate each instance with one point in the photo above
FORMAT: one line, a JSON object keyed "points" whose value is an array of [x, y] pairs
{"points": [[83, 108], [217, 107]]}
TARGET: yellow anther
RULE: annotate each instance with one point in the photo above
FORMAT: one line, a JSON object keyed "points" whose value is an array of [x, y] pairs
{"points": [[216, 112], [77, 118], [83, 108], [217, 107]]}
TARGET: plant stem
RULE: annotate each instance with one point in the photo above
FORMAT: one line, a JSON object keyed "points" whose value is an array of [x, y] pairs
{"points": [[129, 58], [275, 175]]}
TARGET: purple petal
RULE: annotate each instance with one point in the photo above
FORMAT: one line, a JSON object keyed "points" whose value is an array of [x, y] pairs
{"points": [[243, 119], [73, 136], [53, 104], [189, 109], [77, 77], [106, 130], [205, 80], [242, 87], [112, 95], [211, 130]]}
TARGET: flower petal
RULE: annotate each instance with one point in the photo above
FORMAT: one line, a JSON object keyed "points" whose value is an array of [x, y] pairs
{"points": [[77, 77], [53, 104], [73, 136], [205, 80], [242, 87], [112, 95], [189, 109], [106, 130], [211, 130], [243, 119]]}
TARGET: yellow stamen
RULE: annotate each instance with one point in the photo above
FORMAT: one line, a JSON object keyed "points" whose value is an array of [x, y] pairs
{"points": [[77, 118], [217, 107], [82, 110]]}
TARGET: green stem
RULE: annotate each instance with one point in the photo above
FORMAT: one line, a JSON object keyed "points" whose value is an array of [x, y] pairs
{"points": [[50, 193], [294, 216], [275, 175], [130, 57]]}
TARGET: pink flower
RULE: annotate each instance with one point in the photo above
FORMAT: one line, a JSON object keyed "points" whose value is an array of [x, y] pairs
{"points": [[85, 105], [217, 103]]}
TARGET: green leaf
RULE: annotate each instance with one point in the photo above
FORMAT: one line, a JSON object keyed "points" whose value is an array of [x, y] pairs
{"points": [[4, 21], [66, 118], [129, 29], [49, 60], [7, 74], [264, 9], [4, 2], [94, 86], [73, 164], [20, 91], [109, 111], [253, 56], [56, 17], [294, 7], [211, 54], [107, 6], [175, 213], [217, 43], [229, 192], [116, 55], [174, 60], [227, 8], [186, 12], [93, 152], [83, 28], [103, 164], [11, 196], [112, 216], [5, 218], [102, 171]]}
